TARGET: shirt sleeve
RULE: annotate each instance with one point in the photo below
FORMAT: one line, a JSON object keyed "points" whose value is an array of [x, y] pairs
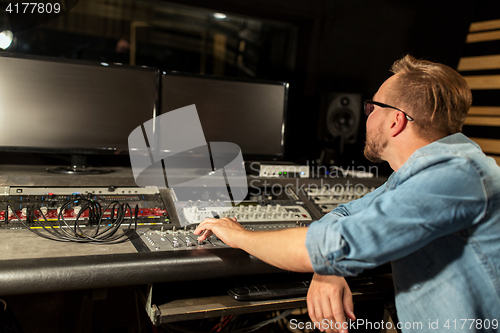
{"points": [[435, 202]]}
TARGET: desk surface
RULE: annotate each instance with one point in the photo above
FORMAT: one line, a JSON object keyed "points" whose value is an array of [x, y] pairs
{"points": [[22, 244], [95, 266]]}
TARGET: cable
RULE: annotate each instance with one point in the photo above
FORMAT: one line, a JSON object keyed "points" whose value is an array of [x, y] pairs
{"points": [[264, 323], [223, 324], [64, 232], [4, 304], [137, 312]]}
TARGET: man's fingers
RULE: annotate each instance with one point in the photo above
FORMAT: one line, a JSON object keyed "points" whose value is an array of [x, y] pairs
{"points": [[205, 235], [206, 224], [318, 313], [209, 220], [335, 314], [311, 308], [339, 318], [200, 228], [348, 304], [204, 229], [330, 308]]}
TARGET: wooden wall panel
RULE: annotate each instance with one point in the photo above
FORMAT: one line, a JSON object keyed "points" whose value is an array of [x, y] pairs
{"points": [[489, 146], [479, 63], [483, 81], [483, 36], [485, 25], [485, 110], [483, 120]]}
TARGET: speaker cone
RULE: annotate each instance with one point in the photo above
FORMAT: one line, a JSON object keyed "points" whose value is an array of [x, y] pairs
{"points": [[341, 122]]}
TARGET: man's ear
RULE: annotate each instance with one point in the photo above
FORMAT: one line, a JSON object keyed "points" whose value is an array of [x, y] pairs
{"points": [[398, 124]]}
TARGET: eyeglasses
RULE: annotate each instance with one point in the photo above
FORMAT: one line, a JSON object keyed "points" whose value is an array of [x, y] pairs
{"points": [[370, 105]]}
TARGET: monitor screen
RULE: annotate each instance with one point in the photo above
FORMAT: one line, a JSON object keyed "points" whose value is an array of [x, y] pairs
{"points": [[250, 114], [77, 107]]}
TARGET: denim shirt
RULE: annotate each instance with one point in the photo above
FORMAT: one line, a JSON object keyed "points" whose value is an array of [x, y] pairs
{"points": [[437, 219]]}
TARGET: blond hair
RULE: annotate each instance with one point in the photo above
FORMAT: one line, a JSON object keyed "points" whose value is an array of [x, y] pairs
{"points": [[436, 96]]}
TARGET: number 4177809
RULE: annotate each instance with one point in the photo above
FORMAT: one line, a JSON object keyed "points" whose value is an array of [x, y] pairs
{"points": [[33, 8], [471, 324]]}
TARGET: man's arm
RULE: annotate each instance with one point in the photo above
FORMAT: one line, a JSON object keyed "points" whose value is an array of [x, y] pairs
{"points": [[329, 297], [284, 249]]}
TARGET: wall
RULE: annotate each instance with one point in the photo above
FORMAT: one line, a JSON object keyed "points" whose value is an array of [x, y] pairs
{"points": [[349, 46]]}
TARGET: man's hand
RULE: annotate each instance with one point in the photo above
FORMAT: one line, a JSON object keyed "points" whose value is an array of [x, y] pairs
{"points": [[228, 230], [329, 297]]}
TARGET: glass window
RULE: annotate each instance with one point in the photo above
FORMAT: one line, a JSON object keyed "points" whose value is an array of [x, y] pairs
{"points": [[168, 36]]}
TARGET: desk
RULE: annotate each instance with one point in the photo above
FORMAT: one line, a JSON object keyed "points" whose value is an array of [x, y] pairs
{"points": [[30, 264]]}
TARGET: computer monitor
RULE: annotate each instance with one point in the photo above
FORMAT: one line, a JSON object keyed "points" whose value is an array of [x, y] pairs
{"points": [[72, 107], [248, 113]]}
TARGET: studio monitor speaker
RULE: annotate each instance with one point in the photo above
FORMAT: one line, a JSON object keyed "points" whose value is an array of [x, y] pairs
{"points": [[343, 113]]}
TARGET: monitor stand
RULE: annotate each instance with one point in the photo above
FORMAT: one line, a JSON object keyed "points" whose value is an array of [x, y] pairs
{"points": [[78, 167]]}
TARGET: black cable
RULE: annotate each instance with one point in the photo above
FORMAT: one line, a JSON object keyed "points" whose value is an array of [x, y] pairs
{"points": [[264, 323], [179, 329], [64, 232], [53, 231]]}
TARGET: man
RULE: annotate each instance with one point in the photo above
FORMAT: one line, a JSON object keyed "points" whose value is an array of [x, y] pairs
{"points": [[437, 218]]}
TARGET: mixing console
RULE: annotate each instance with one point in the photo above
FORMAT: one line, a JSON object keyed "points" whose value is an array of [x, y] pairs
{"points": [[259, 207], [327, 198], [173, 239], [21, 206], [56, 207], [249, 212]]}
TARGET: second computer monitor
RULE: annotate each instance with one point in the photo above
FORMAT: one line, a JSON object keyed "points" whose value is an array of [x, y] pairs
{"points": [[248, 113]]}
